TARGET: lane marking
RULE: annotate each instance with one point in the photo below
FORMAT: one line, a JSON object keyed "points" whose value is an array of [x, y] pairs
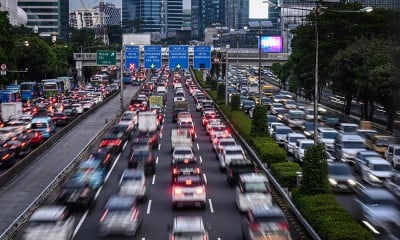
{"points": [[205, 178], [198, 147], [201, 159], [80, 223], [157, 160], [123, 147], [159, 146], [148, 207], [218, 238], [154, 179], [211, 206], [112, 167], [143, 238]]}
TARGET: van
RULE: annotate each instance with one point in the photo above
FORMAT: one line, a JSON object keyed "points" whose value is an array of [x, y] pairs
{"points": [[45, 125], [347, 145]]}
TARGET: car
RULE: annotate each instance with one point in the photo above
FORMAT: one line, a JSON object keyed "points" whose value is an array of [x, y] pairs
{"points": [[124, 131], [224, 142], [142, 158], [188, 227], [271, 127], [182, 152], [327, 136], [217, 136], [279, 134], [185, 166], [379, 142], [76, 194], [265, 222], [60, 119], [393, 184], [252, 190], [301, 146], [50, 222], [237, 167], [308, 128], [6, 133], [78, 107], [392, 155], [129, 118], [360, 159], [91, 172], [103, 155], [376, 170], [114, 142], [340, 177], [133, 182], [189, 190], [7, 157], [35, 136], [121, 215], [229, 153], [377, 208], [188, 125], [20, 144], [290, 141]]}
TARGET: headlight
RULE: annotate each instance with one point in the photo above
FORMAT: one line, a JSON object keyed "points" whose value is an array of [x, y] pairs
{"points": [[332, 181], [352, 182], [374, 178]]}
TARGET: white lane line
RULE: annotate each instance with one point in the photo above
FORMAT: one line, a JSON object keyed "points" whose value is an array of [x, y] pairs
{"points": [[80, 224], [154, 179], [211, 206], [218, 238], [201, 159], [148, 207], [195, 135], [123, 147], [159, 146], [143, 238], [112, 167], [205, 178], [198, 147], [157, 160]]}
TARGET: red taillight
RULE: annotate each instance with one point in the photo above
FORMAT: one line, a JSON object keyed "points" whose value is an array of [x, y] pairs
{"points": [[283, 225], [103, 217], [175, 171], [255, 227], [5, 157], [188, 182], [134, 215]]}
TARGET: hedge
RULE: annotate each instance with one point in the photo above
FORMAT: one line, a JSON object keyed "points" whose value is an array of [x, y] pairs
{"points": [[328, 218], [268, 150], [285, 173]]}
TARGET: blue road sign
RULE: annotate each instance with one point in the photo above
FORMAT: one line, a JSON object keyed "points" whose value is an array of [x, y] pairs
{"points": [[202, 57], [178, 57], [132, 57], [152, 57]]}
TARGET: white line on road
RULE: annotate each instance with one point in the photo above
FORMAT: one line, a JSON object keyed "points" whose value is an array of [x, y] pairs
{"points": [[143, 238], [154, 179], [205, 178], [112, 167], [126, 143], [198, 147], [159, 146], [218, 238], [148, 207], [201, 159], [80, 224], [157, 160], [211, 206]]}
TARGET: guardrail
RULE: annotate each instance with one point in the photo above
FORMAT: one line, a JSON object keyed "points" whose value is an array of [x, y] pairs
{"points": [[23, 217], [32, 156], [306, 231]]}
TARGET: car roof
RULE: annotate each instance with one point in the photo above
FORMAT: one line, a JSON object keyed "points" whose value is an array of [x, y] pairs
{"points": [[377, 160], [253, 177], [265, 211], [51, 212], [188, 224]]}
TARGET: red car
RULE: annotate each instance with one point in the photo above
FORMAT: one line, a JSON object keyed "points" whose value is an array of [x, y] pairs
{"points": [[36, 137]]}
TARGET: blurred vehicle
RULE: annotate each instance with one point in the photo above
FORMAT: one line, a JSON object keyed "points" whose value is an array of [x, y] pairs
{"points": [[224, 142], [378, 142], [133, 182], [347, 145], [229, 153], [265, 222], [290, 104], [121, 216], [301, 146], [188, 124], [237, 167], [123, 131], [188, 190], [6, 133], [348, 127], [332, 122], [272, 126], [291, 140], [376, 170], [295, 118], [252, 190], [364, 132], [7, 157], [185, 166], [45, 125], [35, 136], [142, 158], [50, 222], [78, 107], [377, 208], [279, 134], [61, 119], [77, 195], [392, 155], [91, 172], [188, 227], [360, 159], [182, 152], [103, 155], [114, 142], [327, 136], [340, 177], [20, 144], [129, 118], [393, 184]]}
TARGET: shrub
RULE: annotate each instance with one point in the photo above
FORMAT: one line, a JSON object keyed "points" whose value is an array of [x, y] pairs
{"points": [[268, 150], [221, 91], [315, 171], [235, 102], [285, 173], [213, 85], [259, 125]]}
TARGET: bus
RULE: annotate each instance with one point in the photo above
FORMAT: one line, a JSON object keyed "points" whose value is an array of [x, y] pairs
{"points": [[100, 79], [267, 89], [52, 87], [68, 83], [127, 77], [30, 90]]}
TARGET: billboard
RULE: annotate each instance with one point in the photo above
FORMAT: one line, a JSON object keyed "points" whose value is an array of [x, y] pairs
{"points": [[271, 44], [258, 9]]}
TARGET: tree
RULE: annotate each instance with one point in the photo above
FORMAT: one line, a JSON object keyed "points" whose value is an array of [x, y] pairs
{"points": [[259, 125], [235, 102], [221, 91], [315, 171]]}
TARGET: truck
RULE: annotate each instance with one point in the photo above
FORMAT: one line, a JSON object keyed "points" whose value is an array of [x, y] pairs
{"points": [[180, 137], [11, 110], [148, 126], [155, 101], [179, 106]]}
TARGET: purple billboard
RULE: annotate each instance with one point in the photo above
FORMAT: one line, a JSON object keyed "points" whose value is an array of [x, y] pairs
{"points": [[271, 44]]}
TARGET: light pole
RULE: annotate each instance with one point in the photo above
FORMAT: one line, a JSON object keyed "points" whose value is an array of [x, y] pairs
{"points": [[121, 91], [259, 63]]}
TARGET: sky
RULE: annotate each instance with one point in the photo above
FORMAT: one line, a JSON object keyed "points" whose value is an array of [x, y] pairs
{"points": [[76, 4]]}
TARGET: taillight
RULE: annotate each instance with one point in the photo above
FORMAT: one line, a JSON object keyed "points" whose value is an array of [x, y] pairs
{"points": [[283, 225], [198, 170], [134, 215], [5, 157], [177, 191], [175, 171], [103, 217], [255, 227]]}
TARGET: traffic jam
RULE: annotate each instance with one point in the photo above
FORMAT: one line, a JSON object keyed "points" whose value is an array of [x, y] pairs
{"points": [[115, 184], [27, 121]]}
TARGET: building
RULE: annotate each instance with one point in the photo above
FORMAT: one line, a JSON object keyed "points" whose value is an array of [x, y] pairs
{"points": [[206, 13], [174, 15], [89, 18], [49, 17], [112, 14], [16, 15]]}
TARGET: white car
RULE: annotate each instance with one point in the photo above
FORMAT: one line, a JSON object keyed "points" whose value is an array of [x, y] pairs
{"points": [[7, 133], [224, 142], [189, 190], [50, 222], [280, 133], [252, 191], [327, 136], [291, 140], [229, 153], [301, 147], [182, 152], [129, 118], [271, 127], [376, 170], [78, 107], [133, 182]]}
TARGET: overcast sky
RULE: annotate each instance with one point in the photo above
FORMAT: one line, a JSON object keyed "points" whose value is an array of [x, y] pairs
{"points": [[76, 4]]}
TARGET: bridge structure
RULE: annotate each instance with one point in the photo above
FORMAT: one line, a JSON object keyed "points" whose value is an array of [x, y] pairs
{"points": [[241, 56]]}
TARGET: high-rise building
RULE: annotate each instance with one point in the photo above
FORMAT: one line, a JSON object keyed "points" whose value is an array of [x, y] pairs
{"points": [[11, 7], [84, 18], [174, 14], [206, 13], [49, 17]]}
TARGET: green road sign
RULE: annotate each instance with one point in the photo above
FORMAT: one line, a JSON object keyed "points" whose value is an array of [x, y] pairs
{"points": [[106, 57]]}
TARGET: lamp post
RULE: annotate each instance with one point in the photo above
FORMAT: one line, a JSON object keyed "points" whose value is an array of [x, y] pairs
{"points": [[121, 91], [259, 63]]}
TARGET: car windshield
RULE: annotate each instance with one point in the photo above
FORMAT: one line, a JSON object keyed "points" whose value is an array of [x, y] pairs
{"points": [[188, 180], [294, 139], [353, 145], [329, 135], [306, 145], [349, 128], [296, 115], [283, 131], [233, 152], [259, 187], [381, 167], [183, 152], [339, 170], [188, 235], [385, 141], [41, 223], [397, 151], [120, 203]]}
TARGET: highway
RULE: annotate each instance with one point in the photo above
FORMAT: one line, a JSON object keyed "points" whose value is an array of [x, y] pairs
{"points": [[24, 188]]}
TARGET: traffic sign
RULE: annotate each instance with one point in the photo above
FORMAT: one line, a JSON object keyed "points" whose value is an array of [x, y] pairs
{"points": [[132, 57], [3, 67], [152, 57], [178, 57], [202, 57], [106, 57]]}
